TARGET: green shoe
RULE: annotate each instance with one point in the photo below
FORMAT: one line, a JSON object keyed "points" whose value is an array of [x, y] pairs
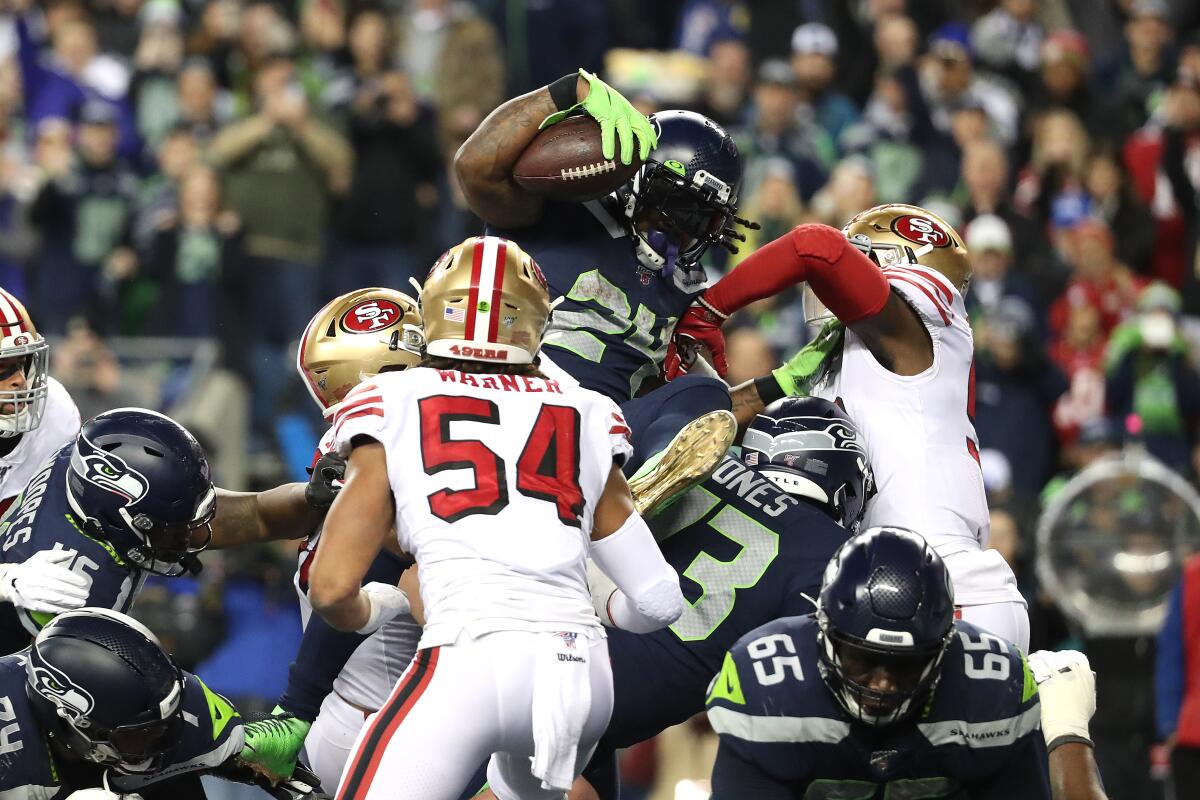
{"points": [[800, 373], [273, 744], [690, 458]]}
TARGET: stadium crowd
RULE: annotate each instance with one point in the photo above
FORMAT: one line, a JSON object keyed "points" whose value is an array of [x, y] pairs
{"points": [[216, 171]]}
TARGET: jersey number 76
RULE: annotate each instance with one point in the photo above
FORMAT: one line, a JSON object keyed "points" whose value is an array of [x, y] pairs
{"points": [[547, 469]]}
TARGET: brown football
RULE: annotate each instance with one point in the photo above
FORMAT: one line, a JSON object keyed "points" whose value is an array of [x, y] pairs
{"points": [[565, 162]]}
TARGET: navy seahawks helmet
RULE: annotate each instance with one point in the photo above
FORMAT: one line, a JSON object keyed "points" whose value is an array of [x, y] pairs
{"points": [[811, 448], [886, 615], [139, 481], [683, 199], [100, 685]]}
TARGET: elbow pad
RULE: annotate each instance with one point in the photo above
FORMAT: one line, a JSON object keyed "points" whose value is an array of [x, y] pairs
{"points": [[648, 596]]}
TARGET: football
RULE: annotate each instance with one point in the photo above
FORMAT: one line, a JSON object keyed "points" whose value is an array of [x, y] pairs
{"points": [[565, 162]]}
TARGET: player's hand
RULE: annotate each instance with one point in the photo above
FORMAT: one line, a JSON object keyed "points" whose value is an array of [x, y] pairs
{"points": [[273, 745], [303, 785], [387, 603], [44, 583], [699, 325], [617, 117], [803, 371], [1067, 688], [325, 481]]}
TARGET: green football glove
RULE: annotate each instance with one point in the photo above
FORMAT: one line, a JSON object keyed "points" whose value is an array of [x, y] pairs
{"points": [[617, 117], [273, 744], [803, 371]]}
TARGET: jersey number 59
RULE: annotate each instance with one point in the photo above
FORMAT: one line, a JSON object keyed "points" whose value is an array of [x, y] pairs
{"points": [[547, 469]]}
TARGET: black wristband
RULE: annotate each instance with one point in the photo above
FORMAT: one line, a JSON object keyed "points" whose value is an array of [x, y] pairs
{"points": [[563, 91], [1068, 739], [768, 389]]}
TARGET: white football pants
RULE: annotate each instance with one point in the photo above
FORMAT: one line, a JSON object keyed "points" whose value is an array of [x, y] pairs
{"points": [[458, 704], [1007, 620], [331, 739]]}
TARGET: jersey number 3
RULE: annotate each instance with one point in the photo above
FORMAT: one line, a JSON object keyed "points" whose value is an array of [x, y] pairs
{"points": [[547, 469]]}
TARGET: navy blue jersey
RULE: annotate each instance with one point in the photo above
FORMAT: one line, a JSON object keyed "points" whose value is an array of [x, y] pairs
{"points": [[780, 725], [746, 553], [211, 733], [613, 326], [41, 519]]}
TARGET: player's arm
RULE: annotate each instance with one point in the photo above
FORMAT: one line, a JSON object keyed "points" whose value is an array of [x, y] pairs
{"points": [[251, 517], [647, 595], [851, 285], [1067, 688], [357, 523], [1024, 773], [484, 164]]}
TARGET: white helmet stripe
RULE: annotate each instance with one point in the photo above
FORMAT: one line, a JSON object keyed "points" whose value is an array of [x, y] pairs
{"points": [[487, 282], [8, 310]]}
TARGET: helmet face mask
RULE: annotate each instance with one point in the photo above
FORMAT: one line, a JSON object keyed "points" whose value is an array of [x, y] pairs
{"points": [[885, 617], [139, 481], [103, 689], [22, 349]]}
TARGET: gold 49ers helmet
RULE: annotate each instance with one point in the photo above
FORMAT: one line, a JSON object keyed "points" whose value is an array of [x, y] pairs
{"points": [[485, 300], [355, 336], [904, 234], [24, 351]]}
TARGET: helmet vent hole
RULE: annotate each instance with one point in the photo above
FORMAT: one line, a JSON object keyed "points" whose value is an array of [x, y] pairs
{"points": [[152, 452], [110, 446], [332, 329]]}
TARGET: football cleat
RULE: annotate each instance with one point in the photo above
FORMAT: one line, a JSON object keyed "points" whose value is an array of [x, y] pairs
{"points": [[689, 459]]}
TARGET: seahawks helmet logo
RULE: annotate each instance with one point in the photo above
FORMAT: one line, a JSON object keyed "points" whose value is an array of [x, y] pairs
{"points": [[111, 473], [72, 701], [836, 435]]}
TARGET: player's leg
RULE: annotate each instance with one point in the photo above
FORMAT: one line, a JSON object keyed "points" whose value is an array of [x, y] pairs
{"points": [[680, 432], [509, 772], [331, 739], [417, 746], [1007, 620]]}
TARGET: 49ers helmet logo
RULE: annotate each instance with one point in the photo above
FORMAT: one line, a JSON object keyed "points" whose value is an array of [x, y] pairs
{"points": [[371, 315], [921, 231]]}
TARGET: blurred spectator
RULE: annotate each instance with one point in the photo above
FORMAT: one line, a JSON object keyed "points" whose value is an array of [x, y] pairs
{"points": [[380, 222], [703, 23], [18, 182], [950, 82], [726, 97], [1015, 386], [1148, 65], [1004, 536], [1181, 166], [1098, 277], [1008, 40], [190, 253], [199, 108], [456, 63], [814, 47], [1150, 376], [1113, 200], [281, 151], [84, 213], [90, 371], [159, 199], [990, 248], [156, 62], [57, 83], [752, 353], [117, 21], [884, 136], [1078, 350], [1177, 681], [851, 188], [1056, 165], [1065, 84], [777, 129], [323, 39]]}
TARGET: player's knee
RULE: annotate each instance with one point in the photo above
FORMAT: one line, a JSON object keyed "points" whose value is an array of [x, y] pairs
{"points": [[699, 394], [662, 601]]}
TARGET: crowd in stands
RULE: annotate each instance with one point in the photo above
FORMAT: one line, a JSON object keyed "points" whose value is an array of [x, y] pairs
{"points": [[216, 170]]}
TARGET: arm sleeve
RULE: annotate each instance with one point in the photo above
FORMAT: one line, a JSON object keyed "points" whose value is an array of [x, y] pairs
{"points": [[324, 651], [1169, 667], [845, 280], [734, 777], [648, 596]]}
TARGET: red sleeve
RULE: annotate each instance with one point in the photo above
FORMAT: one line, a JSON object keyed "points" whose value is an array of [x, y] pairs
{"points": [[845, 280]]}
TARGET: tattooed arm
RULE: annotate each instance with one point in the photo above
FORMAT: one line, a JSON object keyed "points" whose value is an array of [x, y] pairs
{"points": [[484, 162], [250, 517]]}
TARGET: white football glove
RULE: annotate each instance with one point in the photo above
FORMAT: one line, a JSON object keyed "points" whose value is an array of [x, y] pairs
{"points": [[602, 588], [1067, 687], [387, 602], [43, 583]]}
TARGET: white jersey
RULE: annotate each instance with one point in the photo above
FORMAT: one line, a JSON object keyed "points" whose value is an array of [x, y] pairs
{"points": [[921, 440], [495, 480], [368, 677], [60, 425]]}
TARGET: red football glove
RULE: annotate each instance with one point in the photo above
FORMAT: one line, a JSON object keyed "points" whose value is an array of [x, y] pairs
{"points": [[699, 325]]}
